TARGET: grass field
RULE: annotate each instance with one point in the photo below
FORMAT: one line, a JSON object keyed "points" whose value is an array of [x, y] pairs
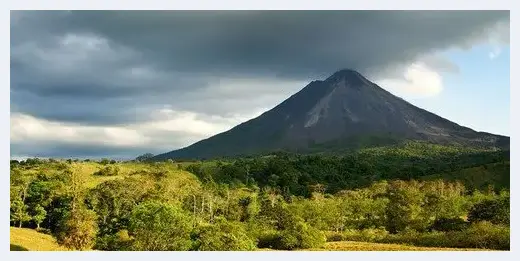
{"points": [[25, 239], [365, 246]]}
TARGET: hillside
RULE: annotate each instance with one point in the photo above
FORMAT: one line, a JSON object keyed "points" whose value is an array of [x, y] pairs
{"points": [[24, 239], [496, 175], [344, 111]]}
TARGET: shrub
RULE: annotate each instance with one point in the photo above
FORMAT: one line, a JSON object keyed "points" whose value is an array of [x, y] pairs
{"points": [[78, 229], [160, 227], [365, 235], [495, 210], [104, 161], [479, 235], [449, 224], [298, 236], [108, 171], [224, 236], [334, 236], [484, 235], [119, 241], [269, 239]]}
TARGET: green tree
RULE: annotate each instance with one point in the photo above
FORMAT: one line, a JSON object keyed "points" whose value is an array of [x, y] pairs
{"points": [[302, 236], [404, 209], [144, 157], [39, 215], [496, 211], [19, 212], [224, 235], [113, 201], [78, 229], [158, 226]]}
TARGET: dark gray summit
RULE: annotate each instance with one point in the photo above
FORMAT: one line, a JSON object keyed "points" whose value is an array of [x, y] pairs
{"points": [[345, 111]]}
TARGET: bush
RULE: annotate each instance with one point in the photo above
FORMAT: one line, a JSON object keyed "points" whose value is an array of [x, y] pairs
{"points": [[479, 235], [449, 224], [224, 236], [365, 235], [120, 241], [299, 236], [108, 171], [160, 227], [497, 211], [78, 229], [104, 161], [270, 239], [484, 235], [334, 236]]}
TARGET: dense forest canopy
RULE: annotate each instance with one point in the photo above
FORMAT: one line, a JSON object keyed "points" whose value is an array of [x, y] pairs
{"points": [[418, 194]]}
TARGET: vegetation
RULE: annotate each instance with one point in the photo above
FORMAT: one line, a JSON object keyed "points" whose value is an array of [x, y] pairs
{"points": [[25, 239], [366, 246], [281, 201]]}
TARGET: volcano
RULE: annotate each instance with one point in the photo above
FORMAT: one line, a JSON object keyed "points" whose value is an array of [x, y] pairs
{"points": [[346, 111]]}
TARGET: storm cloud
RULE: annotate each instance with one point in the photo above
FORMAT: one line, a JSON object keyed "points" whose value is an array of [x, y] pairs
{"points": [[124, 69]]}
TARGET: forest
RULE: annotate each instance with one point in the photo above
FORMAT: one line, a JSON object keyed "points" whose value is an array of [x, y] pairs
{"points": [[418, 194]]}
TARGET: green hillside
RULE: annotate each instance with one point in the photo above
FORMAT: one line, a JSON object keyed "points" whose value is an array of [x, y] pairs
{"points": [[495, 175]]}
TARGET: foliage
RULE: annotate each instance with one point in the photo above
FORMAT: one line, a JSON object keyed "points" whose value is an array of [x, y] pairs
{"points": [[493, 210], [479, 235], [224, 235], [144, 157], [19, 212], [39, 214], [114, 201], [280, 201], [158, 226], [78, 229], [449, 224], [119, 241], [108, 171]]}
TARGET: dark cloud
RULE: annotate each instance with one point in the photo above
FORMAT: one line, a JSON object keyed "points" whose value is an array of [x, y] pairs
{"points": [[286, 43], [120, 67]]}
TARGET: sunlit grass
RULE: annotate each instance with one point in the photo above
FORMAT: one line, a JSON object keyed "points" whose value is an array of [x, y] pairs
{"points": [[366, 246], [25, 239]]}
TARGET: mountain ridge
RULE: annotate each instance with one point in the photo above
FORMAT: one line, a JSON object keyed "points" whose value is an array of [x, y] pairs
{"points": [[336, 110]]}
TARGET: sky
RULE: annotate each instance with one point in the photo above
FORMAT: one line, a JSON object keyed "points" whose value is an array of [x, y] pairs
{"points": [[117, 84]]}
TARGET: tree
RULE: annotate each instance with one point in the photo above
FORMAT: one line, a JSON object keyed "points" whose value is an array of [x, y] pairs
{"points": [[303, 236], [78, 229], [39, 215], [158, 226], [104, 161], [224, 235], [113, 202], [19, 212], [496, 211], [404, 208], [144, 157]]}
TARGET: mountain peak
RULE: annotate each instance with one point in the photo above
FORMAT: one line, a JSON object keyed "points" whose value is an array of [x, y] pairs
{"points": [[349, 77], [346, 73]]}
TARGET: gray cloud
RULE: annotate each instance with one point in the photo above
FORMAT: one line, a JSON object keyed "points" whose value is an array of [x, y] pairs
{"points": [[119, 67]]}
